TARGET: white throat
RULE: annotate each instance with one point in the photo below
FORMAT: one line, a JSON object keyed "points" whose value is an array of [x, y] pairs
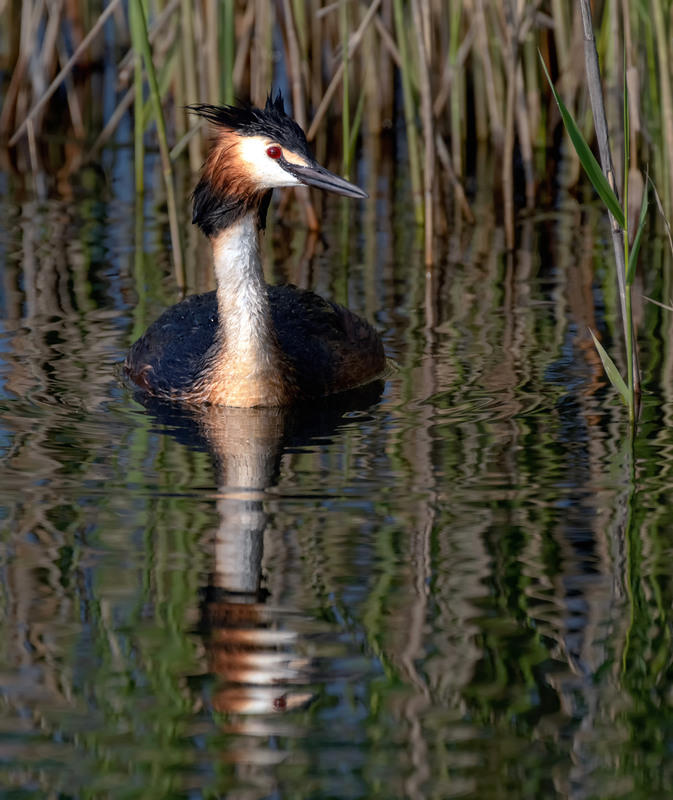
{"points": [[242, 294]]}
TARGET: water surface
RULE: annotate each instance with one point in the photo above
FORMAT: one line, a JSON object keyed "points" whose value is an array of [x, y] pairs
{"points": [[456, 585]]}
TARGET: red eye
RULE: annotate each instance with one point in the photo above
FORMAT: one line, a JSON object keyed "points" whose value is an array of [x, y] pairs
{"points": [[274, 151]]}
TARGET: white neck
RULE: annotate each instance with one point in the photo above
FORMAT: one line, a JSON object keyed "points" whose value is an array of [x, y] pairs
{"points": [[245, 318], [249, 367]]}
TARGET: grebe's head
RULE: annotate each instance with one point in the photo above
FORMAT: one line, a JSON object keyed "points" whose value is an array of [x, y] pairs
{"points": [[255, 150]]}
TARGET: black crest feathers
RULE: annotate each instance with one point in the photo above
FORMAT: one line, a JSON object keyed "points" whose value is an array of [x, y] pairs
{"points": [[222, 195], [248, 120]]}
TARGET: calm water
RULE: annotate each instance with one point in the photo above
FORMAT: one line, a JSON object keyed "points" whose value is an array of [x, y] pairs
{"points": [[458, 586]]}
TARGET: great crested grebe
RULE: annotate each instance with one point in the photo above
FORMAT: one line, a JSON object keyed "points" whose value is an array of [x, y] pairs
{"points": [[249, 344]]}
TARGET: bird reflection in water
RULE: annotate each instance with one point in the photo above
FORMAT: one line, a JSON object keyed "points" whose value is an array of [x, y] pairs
{"points": [[249, 639]]}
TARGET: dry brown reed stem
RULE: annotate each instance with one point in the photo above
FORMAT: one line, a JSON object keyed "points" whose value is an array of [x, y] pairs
{"points": [[663, 57], [210, 55], [226, 46], [389, 42], [328, 9], [445, 160], [9, 103], [30, 22], [50, 35], [657, 303], [315, 83], [667, 224], [298, 102], [523, 122], [561, 39], [523, 128], [116, 117], [603, 140], [345, 87], [32, 151], [71, 96], [200, 66], [457, 116], [531, 89], [510, 26], [65, 71], [189, 135], [635, 176], [244, 40], [428, 128], [508, 168], [260, 60], [189, 73], [497, 129], [353, 45], [294, 63], [450, 68]]}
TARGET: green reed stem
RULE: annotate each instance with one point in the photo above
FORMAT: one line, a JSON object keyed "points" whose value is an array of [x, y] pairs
{"points": [[355, 128], [630, 360], [618, 226], [300, 24], [409, 110], [345, 114], [142, 44], [138, 115], [164, 82], [140, 304]]}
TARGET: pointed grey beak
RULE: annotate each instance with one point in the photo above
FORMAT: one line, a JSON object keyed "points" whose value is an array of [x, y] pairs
{"points": [[322, 178]]}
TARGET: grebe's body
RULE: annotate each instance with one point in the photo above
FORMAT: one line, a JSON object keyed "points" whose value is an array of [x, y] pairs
{"points": [[317, 348], [249, 344]]}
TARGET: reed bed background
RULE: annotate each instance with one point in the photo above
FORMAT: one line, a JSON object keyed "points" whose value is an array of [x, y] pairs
{"points": [[453, 74]]}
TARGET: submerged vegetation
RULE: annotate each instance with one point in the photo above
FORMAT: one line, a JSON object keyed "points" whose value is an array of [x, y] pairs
{"points": [[453, 76]]}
